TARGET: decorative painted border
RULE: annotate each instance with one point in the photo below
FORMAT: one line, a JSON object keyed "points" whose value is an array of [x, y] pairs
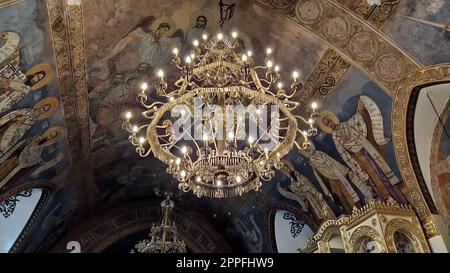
{"points": [[409, 87], [437, 135], [380, 53], [332, 67]]}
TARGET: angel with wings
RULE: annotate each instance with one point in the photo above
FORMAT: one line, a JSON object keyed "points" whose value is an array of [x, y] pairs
{"points": [[157, 39], [361, 143]]}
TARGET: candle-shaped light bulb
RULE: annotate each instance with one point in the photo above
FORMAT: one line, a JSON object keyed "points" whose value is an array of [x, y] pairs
{"points": [[280, 85], [244, 58], [234, 34], [144, 86], [161, 74], [135, 129], [311, 121], [141, 140], [314, 105], [219, 183], [266, 152], [128, 115], [171, 99], [188, 59], [183, 173], [184, 150], [269, 51], [220, 36], [249, 53], [178, 161], [269, 64], [238, 179], [196, 43], [205, 37], [251, 140], [295, 75], [198, 179], [175, 51], [205, 137], [192, 56], [277, 68], [230, 135]]}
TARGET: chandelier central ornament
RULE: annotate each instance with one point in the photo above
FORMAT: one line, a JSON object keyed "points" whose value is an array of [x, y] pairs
{"points": [[224, 125]]}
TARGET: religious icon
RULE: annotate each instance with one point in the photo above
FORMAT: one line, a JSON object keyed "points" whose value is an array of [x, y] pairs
{"points": [[16, 124], [14, 90], [157, 39], [338, 177], [31, 156], [403, 244], [361, 143], [368, 245]]}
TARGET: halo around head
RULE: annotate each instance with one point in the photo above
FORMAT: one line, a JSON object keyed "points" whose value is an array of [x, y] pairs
{"points": [[168, 21], [52, 135], [329, 115], [52, 102], [47, 69], [212, 21]]}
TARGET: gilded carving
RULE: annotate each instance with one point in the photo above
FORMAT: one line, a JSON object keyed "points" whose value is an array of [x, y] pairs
{"points": [[357, 237], [434, 74], [411, 229]]}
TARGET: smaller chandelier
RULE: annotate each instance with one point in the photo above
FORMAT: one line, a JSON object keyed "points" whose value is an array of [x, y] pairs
{"points": [[164, 237], [224, 126]]}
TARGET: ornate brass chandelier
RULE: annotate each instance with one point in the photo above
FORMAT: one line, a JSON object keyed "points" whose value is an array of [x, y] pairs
{"points": [[164, 237], [223, 127]]}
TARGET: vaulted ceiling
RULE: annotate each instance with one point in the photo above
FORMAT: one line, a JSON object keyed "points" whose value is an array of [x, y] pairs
{"points": [[104, 195]]}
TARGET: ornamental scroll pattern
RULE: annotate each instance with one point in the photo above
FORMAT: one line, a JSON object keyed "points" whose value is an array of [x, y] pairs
{"points": [[359, 234], [352, 37], [68, 39], [435, 74], [8, 206], [297, 225]]}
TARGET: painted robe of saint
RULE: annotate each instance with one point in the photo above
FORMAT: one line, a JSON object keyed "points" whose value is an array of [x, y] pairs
{"points": [[16, 124], [157, 40], [13, 90], [338, 177], [360, 141], [31, 156]]}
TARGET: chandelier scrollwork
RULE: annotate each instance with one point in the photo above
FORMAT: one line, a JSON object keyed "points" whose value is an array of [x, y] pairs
{"points": [[164, 237], [223, 127]]}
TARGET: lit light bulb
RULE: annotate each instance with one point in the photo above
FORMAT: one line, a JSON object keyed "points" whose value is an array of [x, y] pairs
{"points": [[161, 73], [205, 137], [249, 53], [314, 105], [234, 35], [198, 179], [144, 86], [295, 75], [280, 85], [258, 111], [192, 56], [141, 140], [135, 129], [219, 183], [205, 37], [305, 133], [188, 59], [269, 64], [220, 36], [238, 179], [183, 112], [175, 51], [184, 150], [183, 173], [171, 99], [196, 43], [277, 68], [230, 135], [178, 161], [311, 121], [251, 140], [244, 58], [269, 51], [128, 115]]}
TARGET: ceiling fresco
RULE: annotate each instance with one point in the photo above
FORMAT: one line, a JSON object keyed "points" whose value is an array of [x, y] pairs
{"points": [[32, 134], [67, 135]]}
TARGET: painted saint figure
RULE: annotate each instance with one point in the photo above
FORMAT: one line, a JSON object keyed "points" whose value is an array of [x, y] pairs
{"points": [[338, 176], [197, 31], [31, 156], [15, 125], [360, 142], [13, 90], [156, 41]]}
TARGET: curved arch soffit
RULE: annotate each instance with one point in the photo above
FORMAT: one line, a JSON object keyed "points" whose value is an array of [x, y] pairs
{"points": [[403, 107], [370, 50]]}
